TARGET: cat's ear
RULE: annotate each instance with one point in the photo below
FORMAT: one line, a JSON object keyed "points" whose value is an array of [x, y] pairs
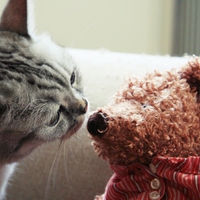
{"points": [[15, 17]]}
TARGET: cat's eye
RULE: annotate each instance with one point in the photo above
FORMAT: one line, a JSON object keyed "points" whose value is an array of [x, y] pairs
{"points": [[72, 79], [54, 120]]}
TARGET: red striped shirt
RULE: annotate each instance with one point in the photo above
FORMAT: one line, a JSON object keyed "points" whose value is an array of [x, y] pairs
{"points": [[165, 178]]}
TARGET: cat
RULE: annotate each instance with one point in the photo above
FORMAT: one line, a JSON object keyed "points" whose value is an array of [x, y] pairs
{"points": [[41, 93]]}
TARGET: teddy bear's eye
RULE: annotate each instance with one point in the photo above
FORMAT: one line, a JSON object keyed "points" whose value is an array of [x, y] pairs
{"points": [[144, 105]]}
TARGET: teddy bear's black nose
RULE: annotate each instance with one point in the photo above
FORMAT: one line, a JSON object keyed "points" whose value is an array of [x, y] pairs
{"points": [[97, 124]]}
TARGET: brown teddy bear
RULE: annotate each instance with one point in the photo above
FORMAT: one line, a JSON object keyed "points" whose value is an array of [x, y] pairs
{"points": [[150, 134]]}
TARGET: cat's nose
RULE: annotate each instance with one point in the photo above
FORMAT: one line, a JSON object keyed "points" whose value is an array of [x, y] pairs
{"points": [[83, 107], [97, 124]]}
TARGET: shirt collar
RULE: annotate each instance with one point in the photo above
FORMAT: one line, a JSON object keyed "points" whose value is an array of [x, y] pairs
{"points": [[190, 165]]}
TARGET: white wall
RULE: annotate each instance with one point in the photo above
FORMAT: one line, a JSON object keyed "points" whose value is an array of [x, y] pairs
{"points": [[138, 26]]}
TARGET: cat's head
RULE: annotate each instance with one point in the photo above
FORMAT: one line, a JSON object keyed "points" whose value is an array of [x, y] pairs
{"points": [[41, 94]]}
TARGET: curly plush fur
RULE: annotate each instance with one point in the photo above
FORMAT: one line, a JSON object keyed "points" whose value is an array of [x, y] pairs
{"points": [[156, 115]]}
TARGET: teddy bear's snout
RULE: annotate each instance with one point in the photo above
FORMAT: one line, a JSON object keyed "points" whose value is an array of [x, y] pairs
{"points": [[97, 124]]}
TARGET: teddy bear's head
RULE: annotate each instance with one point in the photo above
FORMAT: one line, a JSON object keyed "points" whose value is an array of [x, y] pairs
{"points": [[156, 115]]}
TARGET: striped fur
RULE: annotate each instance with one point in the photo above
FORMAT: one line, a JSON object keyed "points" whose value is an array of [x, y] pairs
{"points": [[34, 86], [41, 93]]}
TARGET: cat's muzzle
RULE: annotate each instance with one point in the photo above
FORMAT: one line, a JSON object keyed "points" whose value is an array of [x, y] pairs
{"points": [[81, 108], [97, 124]]}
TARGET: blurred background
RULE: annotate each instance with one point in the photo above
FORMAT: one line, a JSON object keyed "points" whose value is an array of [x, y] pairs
{"points": [[136, 26]]}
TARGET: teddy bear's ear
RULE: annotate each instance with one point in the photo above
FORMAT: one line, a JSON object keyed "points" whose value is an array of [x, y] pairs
{"points": [[192, 74]]}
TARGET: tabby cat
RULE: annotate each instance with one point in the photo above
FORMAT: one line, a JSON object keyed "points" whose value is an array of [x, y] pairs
{"points": [[41, 96]]}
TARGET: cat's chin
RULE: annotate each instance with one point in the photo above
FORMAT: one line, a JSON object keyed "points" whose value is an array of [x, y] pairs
{"points": [[74, 128], [24, 147]]}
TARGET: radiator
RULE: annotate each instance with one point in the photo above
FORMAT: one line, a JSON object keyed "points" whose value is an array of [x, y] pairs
{"points": [[186, 34]]}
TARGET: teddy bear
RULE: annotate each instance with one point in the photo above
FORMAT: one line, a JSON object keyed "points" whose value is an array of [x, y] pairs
{"points": [[150, 135]]}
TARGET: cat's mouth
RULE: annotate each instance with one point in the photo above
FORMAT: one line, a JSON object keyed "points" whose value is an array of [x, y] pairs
{"points": [[28, 142], [13, 149], [25, 146]]}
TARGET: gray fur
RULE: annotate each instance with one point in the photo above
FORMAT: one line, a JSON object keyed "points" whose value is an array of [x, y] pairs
{"points": [[35, 91], [32, 90], [41, 94]]}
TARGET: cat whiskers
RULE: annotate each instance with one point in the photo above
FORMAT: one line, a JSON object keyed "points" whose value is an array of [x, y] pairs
{"points": [[23, 111], [80, 34], [65, 159], [53, 172], [35, 109]]}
